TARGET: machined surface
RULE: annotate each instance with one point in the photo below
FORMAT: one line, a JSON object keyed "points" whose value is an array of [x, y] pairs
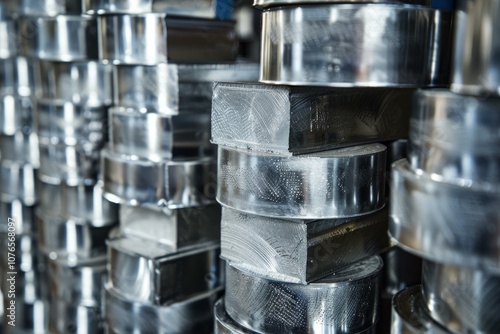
{"points": [[346, 302], [445, 222], [20, 148], [49, 7], [333, 184], [67, 317], [223, 322], [19, 76], [345, 45], [15, 214], [147, 272], [18, 180], [298, 120], [16, 115], [300, 251]]}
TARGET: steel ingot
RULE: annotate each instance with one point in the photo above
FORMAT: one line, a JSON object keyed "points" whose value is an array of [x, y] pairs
{"points": [[8, 45], [271, 3], [71, 164], [16, 115], [71, 239], [170, 183], [79, 201], [191, 8], [346, 302], [333, 184], [300, 251], [461, 299], [20, 148], [147, 272], [18, 180], [299, 120], [173, 88], [49, 7], [401, 270], [73, 318], [476, 67], [16, 217], [445, 222], [345, 45], [455, 137], [409, 315], [177, 228], [192, 316], [65, 38], [25, 253], [131, 39], [20, 76], [86, 83], [30, 317]]}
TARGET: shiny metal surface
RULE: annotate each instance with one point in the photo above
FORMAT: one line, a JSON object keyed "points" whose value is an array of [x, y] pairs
{"points": [[30, 318], [455, 137], [20, 76], [300, 251], [86, 83], [298, 120], [143, 39], [16, 115], [401, 270], [333, 184], [461, 299], [396, 150], [476, 68], [223, 322], [409, 315], [80, 201], [346, 302], [60, 38], [172, 184], [20, 148], [71, 318], [49, 7], [23, 216], [344, 45], [191, 8], [8, 45], [177, 228], [18, 180], [192, 316], [271, 3], [147, 272], [458, 225]]}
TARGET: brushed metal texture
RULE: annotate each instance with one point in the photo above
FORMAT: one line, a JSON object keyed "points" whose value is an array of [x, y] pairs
{"points": [[19, 180], [16, 115], [13, 210], [20, 76], [21, 148]]}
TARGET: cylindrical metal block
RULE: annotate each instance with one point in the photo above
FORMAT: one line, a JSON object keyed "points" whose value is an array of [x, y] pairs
{"points": [[16, 216], [20, 76], [16, 115], [18, 180], [21, 148]]}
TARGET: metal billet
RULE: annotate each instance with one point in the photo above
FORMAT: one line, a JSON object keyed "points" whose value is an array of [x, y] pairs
{"points": [[409, 315], [30, 317], [300, 251], [159, 137], [18, 180], [16, 115], [8, 42], [192, 316], [49, 7], [172, 184], [65, 38], [346, 302], [20, 148], [297, 120], [476, 68], [455, 137], [72, 318], [85, 83], [177, 228], [79, 201], [20, 76], [345, 45], [16, 216], [461, 299], [271, 3], [130, 39], [456, 225], [173, 88], [333, 184], [150, 273]]}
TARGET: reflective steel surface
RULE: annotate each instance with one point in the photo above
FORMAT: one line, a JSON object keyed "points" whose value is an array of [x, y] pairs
{"points": [[19, 76], [16, 115], [18, 180], [8, 45], [345, 45], [271, 3], [223, 322], [20, 148], [49, 7], [23, 215], [68, 318]]}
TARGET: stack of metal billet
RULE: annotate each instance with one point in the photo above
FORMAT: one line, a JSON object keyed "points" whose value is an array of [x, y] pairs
{"points": [[21, 266], [446, 196], [164, 269], [301, 171]]}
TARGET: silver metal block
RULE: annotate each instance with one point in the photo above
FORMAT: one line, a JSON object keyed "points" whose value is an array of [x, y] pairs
{"points": [[30, 318], [177, 228], [476, 67], [147, 272], [173, 88], [20, 148], [49, 7], [192, 316], [80, 201], [409, 315], [445, 222], [271, 3], [461, 299], [172, 184], [16, 217], [345, 45], [300, 251], [20, 76], [72, 318], [191, 8], [88, 83], [143, 39], [16, 115], [297, 120], [18, 180], [455, 137], [333, 184], [8, 46], [65, 38], [346, 302]]}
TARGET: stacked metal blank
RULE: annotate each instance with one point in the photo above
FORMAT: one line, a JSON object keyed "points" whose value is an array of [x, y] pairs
{"points": [[301, 176], [446, 195], [164, 268]]}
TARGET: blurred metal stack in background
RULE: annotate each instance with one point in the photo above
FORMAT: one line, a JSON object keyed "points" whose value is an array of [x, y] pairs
{"points": [[301, 172], [446, 195]]}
